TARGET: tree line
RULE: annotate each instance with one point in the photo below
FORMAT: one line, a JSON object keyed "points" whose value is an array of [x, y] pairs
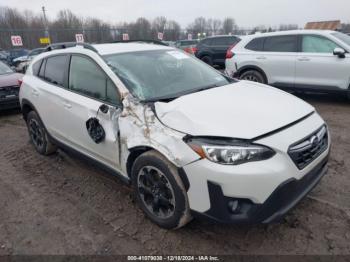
{"points": [[31, 26]]}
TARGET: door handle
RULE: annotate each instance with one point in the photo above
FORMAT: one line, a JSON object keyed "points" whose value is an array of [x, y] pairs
{"points": [[67, 105], [304, 59]]}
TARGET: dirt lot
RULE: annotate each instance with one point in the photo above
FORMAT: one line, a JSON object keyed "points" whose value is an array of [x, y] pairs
{"points": [[60, 205]]}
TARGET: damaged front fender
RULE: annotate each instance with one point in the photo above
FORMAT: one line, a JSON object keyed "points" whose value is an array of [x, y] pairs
{"points": [[139, 127]]}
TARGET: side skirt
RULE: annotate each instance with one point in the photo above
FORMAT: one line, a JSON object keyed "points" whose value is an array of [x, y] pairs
{"points": [[90, 160]]}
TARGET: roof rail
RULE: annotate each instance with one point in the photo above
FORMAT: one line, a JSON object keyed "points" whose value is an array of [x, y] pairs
{"points": [[65, 45], [155, 42]]}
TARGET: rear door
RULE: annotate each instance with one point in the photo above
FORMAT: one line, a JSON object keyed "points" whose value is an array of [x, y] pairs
{"points": [[317, 67], [47, 92], [278, 59]]}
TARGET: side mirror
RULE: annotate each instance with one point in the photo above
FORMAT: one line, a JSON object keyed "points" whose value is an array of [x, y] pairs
{"points": [[340, 52]]}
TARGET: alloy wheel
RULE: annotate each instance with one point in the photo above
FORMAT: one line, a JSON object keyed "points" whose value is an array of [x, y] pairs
{"points": [[156, 192], [252, 78], [36, 133]]}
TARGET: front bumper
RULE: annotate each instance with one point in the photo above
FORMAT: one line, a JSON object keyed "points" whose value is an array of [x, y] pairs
{"points": [[253, 184], [9, 103], [283, 199]]}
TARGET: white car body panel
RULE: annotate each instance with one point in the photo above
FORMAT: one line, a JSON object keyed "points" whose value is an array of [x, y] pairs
{"points": [[196, 115], [255, 180], [323, 70]]}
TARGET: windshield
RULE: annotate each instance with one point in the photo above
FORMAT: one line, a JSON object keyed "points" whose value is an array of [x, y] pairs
{"points": [[342, 37], [4, 69], [162, 74], [154, 75]]}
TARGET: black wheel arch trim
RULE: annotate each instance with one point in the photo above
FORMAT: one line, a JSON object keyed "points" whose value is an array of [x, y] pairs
{"points": [[137, 151], [25, 102]]}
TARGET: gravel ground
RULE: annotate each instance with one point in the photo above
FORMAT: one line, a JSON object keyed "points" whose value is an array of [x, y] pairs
{"points": [[61, 205]]}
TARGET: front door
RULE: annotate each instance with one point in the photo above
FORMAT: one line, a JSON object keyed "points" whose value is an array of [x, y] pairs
{"points": [[317, 67], [89, 87]]}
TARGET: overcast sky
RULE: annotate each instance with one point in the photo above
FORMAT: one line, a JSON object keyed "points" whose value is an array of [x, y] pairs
{"points": [[248, 13]]}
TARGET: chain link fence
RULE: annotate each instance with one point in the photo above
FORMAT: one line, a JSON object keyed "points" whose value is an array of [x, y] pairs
{"points": [[31, 37]]}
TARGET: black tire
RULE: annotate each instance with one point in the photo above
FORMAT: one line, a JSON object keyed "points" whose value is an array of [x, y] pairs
{"points": [[38, 135], [253, 75], [159, 191], [207, 60]]}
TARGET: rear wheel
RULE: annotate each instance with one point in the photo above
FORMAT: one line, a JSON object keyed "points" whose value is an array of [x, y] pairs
{"points": [[38, 135], [160, 191], [207, 60], [254, 76]]}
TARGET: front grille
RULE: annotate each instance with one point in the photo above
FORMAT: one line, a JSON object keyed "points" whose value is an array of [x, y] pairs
{"points": [[305, 151], [9, 91]]}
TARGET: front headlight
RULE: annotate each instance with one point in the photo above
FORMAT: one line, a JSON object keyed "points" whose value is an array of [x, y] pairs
{"points": [[229, 152]]}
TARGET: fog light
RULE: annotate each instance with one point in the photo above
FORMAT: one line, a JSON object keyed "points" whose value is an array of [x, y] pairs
{"points": [[233, 206]]}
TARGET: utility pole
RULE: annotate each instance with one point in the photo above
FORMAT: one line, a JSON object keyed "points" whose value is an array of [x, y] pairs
{"points": [[47, 33]]}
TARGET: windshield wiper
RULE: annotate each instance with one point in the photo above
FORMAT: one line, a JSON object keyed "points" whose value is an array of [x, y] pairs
{"points": [[206, 88], [173, 97], [161, 99]]}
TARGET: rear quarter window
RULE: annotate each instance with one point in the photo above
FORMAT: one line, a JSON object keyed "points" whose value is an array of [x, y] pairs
{"points": [[233, 40], [256, 44], [56, 70], [36, 67]]}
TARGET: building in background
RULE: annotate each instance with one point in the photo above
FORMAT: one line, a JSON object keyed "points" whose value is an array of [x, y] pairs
{"points": [[325, 25]]}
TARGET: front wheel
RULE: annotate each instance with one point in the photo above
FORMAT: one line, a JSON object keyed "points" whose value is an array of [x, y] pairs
{"points": [[254, 76], [159, 191]]}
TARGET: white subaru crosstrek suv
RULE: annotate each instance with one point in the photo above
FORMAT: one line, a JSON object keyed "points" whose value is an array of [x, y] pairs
{"points": [[190, 140], [303, 60]]}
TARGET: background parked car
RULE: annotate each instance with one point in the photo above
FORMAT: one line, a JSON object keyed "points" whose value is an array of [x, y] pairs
{"points": [[9, 87], [307, 60], [23, 61], [169, 43], [212, 50], [15, 53], [3, 56], [188, 46]]}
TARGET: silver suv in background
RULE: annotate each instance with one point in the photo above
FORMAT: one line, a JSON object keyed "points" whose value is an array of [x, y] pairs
{"points": [[307, 60]]}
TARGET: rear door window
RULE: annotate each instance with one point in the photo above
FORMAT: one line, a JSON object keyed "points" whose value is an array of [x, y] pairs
{"points": [[220, 41], [287, 43], [207, 41], [56, 70]]}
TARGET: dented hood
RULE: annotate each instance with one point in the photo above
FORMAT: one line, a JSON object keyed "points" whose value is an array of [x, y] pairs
{"points": [[241, 110]]}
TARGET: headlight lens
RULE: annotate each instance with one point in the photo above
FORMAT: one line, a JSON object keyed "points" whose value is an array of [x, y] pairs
{"points": [[232, 153]]}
